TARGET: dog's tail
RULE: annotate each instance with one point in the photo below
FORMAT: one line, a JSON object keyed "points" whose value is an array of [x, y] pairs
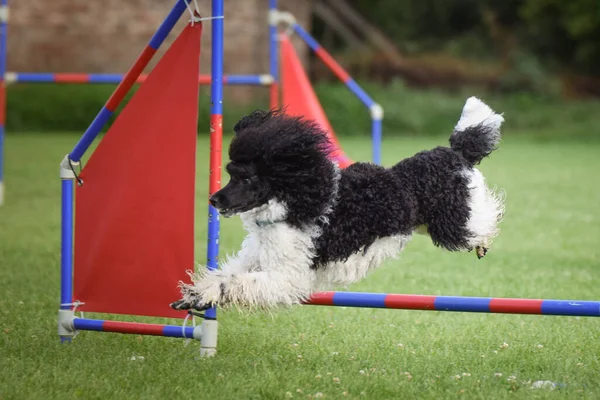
{"points": [[477, 133]]}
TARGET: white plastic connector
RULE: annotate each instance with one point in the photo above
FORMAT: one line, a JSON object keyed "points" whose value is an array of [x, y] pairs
{"points": [[197, 332], [10, 77], [277, 17], [66, 172], [208, 340], [266, 79], [3, 13], [66, 330], [376, 112], [273, 17]]}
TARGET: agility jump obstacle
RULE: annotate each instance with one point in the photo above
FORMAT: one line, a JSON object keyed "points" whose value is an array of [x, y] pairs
{"points": [[129, 236], [299, 96]]}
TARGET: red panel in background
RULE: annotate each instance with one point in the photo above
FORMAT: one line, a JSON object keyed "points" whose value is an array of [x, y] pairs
{"points": [[134, 225], [299, 98]]}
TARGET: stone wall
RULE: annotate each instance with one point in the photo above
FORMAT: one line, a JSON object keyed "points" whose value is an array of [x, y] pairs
{"points": [[107, 36]]}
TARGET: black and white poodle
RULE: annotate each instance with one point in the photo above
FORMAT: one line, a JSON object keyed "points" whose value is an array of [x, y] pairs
{"points": [[312, 226]]}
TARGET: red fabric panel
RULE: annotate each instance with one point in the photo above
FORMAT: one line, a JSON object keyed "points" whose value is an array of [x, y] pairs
{"points": [[299, 97], [134, 225]]}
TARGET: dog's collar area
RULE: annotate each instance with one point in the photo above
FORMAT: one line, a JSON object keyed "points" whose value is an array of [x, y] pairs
{"points": [[267, 222]]}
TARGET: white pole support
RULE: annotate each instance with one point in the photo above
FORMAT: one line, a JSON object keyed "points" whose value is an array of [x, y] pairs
{"points": [[376, 112], [66, 168], [277, 17], [266, 79], [3, 13], [208, 338], [66, 330]]}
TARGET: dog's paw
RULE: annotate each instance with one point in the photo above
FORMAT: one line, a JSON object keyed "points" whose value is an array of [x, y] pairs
{"points": [[189, 304], [201, 295], [481, 251]]}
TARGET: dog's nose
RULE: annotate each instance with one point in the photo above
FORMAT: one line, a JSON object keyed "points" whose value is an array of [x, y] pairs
{"points": [[214, 200]]}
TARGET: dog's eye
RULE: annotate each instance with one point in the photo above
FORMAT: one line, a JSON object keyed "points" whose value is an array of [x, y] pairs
{"points": [[246, 181]]}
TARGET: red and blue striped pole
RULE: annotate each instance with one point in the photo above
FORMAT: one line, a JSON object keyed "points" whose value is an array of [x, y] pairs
{"points": [[3, 53], [128, 81], [457, 303], [98, 325], [81, 78], [273, 54], [374, 108], [208, 342], [216, 137]]}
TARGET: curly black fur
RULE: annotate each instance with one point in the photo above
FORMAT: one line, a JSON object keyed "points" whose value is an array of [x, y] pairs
{"points": [[287, 158], [475, 142]]}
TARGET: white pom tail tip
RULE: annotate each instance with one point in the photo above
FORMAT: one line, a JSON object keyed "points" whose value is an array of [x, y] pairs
{"points": [[476, 112]]}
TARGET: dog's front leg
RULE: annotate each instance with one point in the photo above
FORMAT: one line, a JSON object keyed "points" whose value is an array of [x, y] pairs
{"points": [[250, 290], [198, 296], [284, 276]]}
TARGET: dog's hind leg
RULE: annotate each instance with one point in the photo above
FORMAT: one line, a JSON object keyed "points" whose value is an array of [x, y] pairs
{"points": [[486, 211], [468, 221]]}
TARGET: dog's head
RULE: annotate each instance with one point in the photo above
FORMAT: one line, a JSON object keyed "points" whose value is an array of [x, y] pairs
{"points": [[274, 156]]}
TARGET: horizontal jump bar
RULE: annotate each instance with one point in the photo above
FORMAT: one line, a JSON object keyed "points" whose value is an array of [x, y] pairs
{"points": [[85, 324], [30, 77], [457, 303]]}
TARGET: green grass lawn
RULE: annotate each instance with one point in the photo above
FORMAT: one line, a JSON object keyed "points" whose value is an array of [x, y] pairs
{"points": [[548, 248]]}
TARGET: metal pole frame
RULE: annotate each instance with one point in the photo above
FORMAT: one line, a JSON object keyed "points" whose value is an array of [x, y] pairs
{"points": [[375, 109], [494, 305], [207, 332], [84, 78], [273, 54], [3, 53], [68, 324]]}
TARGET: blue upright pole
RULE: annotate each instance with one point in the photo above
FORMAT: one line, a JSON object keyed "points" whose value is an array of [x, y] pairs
{"points": [[65, 312], [66, 251], [376, 128], [3, 52], [273, 54], [216, 137], [208, 343]]}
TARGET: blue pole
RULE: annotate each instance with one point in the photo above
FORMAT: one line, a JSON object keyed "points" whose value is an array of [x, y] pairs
{"points": [[35, 77], [66, 248], [3, 53], [216, 129], [109, 108], [376, 139], [273, 54], [99, 325]]}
